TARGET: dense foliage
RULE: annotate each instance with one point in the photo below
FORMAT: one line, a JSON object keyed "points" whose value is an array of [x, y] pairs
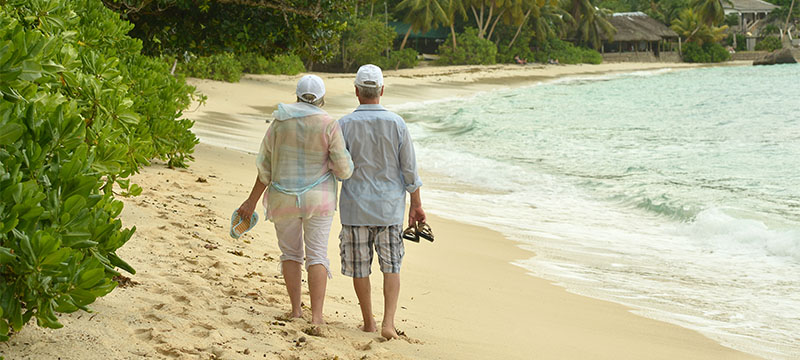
{"points": [[471, 50], [253, 63], [365, 42], [220, 67], [80, 111], [309, 28], [567, 53], [706, 53], [769, 43]]}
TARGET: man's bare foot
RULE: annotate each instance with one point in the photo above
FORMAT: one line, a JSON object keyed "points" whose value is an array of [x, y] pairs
{"points": [[371, 327], [389, 333], [296, 314], [316, 321]]}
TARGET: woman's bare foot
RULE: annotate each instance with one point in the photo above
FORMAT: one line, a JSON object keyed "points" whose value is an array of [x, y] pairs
{"points": [[389, 333], [296, 314], [371, 327], [317, 321]]}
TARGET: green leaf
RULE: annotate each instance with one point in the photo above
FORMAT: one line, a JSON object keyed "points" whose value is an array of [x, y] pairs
{"points": [[9, 133], [6, 257], [31, 71], [90, 278], [116, 261], [57, 257], [81, 297]]}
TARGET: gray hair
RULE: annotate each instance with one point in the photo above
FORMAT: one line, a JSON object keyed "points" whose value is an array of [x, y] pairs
{"points": [[310, 99], [369, 92]]}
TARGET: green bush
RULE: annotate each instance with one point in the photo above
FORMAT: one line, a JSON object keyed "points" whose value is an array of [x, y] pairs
{"points": [[80, 111], [470, 50], [566, 53], [399, 59], [520, 48], [769, 43], [741, 42], [253, 63], [732, 19], [365, 42], [285, 65], [220, 67], [771, 29], [708, 53]]}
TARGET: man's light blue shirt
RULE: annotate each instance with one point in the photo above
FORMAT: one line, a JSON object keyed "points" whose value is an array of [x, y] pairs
{"points": [[385, 167]]}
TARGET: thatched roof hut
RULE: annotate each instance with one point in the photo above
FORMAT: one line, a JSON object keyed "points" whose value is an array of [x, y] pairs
{"points": [[637, 26]]}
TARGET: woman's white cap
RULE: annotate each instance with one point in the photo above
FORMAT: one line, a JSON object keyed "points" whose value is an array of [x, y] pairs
{"points": [[311, 84], [369, 76]]}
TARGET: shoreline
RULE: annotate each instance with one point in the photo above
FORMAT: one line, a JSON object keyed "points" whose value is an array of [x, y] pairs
{"points": [[201, 294], [465, 81]]}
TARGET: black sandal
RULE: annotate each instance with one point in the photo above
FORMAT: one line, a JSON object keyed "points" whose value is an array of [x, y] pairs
{"points": [[411, 233], [424, 231]]}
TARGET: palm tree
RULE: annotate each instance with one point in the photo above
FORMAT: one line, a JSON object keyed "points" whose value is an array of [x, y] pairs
{"points": [[449, 10], [550, 20], [530, 5], [690, 26], [591, 23], [709, 12], [421, 15]]}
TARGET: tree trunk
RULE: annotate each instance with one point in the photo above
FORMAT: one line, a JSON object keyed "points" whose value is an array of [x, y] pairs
{"points": [[453, 34], [786, 27], [403, 44], [371, 9], [496, 19], [487, 21], [524, 20]]}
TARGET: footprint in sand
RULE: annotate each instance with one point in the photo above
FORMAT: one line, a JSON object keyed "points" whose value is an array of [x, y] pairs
{"points": [[181, 298]]}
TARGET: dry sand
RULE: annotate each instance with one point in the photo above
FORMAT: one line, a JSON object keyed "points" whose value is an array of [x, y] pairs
{"points": [[200, 294]]}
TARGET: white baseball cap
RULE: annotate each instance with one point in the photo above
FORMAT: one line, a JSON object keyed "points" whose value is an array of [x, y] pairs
{"points": [[369, 76], [311, 84]]}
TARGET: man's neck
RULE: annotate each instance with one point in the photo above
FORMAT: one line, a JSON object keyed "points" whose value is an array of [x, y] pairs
{"points": [[375, 101]]}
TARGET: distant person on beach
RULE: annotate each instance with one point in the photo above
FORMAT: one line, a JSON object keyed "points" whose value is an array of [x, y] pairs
{"points": [[373, 199], [300, 154], [520, 61]]}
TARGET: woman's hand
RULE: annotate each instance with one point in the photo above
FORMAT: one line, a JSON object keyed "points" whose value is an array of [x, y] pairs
{"points": [[246, 209]]}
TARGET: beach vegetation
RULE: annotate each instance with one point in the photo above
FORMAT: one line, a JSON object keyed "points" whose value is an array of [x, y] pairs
{"points": [[690, 26], [590, 23], [81, 110], [472, 50], [310, 29], [732, 19], [769, 43], [365, 42], [220, 67], [566, 53], [707, 53], [741, 41], [399, 59], [421, 15], [283, 64]]}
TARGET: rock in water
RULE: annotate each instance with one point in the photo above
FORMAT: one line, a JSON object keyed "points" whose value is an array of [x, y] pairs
{"points": [[782, 56]]}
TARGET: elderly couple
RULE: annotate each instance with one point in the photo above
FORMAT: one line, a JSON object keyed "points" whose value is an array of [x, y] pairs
{"points": [[370, 150]]}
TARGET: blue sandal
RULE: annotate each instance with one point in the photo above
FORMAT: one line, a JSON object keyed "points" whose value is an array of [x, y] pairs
{"points": [[240, 226]]}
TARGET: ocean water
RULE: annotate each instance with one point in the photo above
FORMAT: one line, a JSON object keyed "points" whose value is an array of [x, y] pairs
{"points": [[674, 192]]}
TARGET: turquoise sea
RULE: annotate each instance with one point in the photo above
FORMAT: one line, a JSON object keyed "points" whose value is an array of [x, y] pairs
{"points": [[674, 192]]}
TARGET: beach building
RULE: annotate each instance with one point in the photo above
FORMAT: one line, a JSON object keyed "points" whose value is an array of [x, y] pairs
{"points": [[639, 38], [425, 43], [751, 13]]}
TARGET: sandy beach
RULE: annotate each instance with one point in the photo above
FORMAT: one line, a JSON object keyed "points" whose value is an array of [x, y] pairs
{"points": [[199, 294]]}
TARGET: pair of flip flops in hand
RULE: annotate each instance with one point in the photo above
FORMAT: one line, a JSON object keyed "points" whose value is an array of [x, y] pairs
{"points": [[241, 225], [418, 230]]}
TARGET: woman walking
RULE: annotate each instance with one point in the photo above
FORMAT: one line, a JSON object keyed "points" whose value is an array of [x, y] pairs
{"points": [[300, 155]]}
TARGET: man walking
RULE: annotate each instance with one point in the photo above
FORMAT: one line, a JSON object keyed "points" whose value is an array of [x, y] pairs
{"points": [[373, 199]]}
